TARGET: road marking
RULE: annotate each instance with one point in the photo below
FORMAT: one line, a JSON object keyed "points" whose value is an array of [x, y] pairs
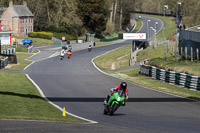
{"points": [[58, 107]]}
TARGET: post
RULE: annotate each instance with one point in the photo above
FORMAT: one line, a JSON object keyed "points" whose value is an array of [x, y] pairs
{"points": [[165, 7], [186, 53], [168, 46], [148, 30], [0, 47], [150, 34], [181, 52], [154, 38], [191, 54], [174, 50], [156, 23], [197, 54], [133, 46], [178, 51], [176, 28], [0, 25]]}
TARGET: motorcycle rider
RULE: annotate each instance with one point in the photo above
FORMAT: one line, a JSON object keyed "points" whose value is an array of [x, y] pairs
{"points": [[122, 86], [69, 53], [62, 54], [89, 48]]}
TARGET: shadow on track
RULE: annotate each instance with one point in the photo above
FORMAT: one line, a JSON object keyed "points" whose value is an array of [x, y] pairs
{"points": [[80, 99], [21, 95]]}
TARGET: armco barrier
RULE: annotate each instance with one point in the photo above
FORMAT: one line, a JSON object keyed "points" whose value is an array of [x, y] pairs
{"points": [[8, 51], [108, 40], [176, 78]]}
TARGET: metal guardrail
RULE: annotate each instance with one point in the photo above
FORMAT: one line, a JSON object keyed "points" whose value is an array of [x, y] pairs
{"points": [[56, 39], [132, 27], [152, 13], [108, 40], [8, 51], [176, 78]]}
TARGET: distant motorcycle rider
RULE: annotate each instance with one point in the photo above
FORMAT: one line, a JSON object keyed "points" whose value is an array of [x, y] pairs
{"points": [[62, 54], [89, 48], [122, 86], [69, 53]]}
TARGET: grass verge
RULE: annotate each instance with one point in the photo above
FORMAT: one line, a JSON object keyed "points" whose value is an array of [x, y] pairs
{"points": [[105, 62], [21, 62], [115, 59], [36, 41], [133, 76], [19, 99], [138, 26], [107, 43], [156, 56]]}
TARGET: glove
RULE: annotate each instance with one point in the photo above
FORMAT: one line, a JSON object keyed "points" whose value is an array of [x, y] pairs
{"points": [[113, 90]]}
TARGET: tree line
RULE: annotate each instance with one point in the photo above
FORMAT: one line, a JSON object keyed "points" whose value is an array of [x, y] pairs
{"points": [[78, 16], [189, 9], [99, 16]]}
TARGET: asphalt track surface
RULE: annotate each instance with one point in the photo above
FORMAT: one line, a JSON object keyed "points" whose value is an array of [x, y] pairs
{"points": [[80, 87]]}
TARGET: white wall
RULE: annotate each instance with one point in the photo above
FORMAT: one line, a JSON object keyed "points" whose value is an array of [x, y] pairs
{"points": [[5, 39]]}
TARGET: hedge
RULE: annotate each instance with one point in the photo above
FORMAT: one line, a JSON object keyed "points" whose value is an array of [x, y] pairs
{"points": [[44, 35], [67, 36]]}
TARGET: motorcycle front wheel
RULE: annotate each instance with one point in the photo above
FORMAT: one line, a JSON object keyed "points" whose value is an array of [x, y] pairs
{"points": [[105, 112], [114, 108]]}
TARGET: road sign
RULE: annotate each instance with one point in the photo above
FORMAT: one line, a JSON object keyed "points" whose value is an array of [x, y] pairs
{"points": [[134, 36]]}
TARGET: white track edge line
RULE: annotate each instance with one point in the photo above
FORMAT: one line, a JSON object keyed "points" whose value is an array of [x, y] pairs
{"points": [[58, 107]]}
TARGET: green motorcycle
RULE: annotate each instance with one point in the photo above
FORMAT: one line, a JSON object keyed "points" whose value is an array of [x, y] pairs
{"points": [[114, 102]]}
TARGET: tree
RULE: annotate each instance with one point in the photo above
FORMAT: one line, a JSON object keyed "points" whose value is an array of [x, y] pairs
{"points": [[127, 9], [94, 15]]}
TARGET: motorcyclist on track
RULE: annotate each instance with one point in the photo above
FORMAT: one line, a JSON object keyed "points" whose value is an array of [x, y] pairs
{"points": [[69, 53], [89, 48], [122, 86], [62, 54]]}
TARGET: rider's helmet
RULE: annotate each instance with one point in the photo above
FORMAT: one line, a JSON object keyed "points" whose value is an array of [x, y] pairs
{"points": [[123, 85]]}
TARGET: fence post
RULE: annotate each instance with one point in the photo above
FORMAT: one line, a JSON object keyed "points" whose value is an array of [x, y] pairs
{"points": [[178, 51], [174, 50], [171, 49], [181, 52], [197, 54], [186, 53], [156, 45], [168, 46], [191, 53]]}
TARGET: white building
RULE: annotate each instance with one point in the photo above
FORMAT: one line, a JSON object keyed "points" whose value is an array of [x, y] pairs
{"points": [[5, 36]]}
